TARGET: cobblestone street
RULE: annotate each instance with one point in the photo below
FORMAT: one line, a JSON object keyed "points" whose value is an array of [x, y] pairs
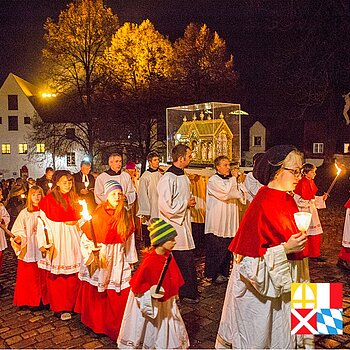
{"points": [[24, 328]]}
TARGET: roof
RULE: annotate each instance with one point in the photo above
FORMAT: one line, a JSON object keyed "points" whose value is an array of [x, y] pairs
{"points": [[27, 88], [204, 127]]}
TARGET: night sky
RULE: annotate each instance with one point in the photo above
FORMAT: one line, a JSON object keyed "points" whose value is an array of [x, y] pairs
{"points": [[21, 25], [282, 50]]}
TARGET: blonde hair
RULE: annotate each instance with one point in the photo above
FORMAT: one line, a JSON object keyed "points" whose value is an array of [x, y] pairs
{"points": [[32, 190], [292, 159]]}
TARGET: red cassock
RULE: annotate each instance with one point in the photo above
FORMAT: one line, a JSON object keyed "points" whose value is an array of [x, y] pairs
{"points": [[307, 189], [62, 288], [103, 310], [268, 222], [345, 251]]}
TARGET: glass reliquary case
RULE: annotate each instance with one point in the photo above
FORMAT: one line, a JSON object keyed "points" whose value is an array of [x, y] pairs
{"points": [[211, 129]]}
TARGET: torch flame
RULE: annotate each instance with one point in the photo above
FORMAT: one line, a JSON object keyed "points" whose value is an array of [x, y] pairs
{"points": [[85, 213], [338, 168]]}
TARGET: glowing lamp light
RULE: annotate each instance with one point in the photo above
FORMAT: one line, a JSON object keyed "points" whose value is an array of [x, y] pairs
{"points": [[50, 185], [303, 220], [86, 183], [48, 95]]}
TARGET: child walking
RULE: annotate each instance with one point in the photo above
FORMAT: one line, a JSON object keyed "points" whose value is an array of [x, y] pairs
{"points": [[152, 320], [30, 286]]}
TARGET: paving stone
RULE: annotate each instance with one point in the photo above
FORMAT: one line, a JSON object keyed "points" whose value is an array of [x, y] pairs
{"points": [[58, 339], [11, 333], [46, 328], [29, 334], [44, 336], [93, 345], [36, 318], [13, 340], [4, 329], [24, 344]]}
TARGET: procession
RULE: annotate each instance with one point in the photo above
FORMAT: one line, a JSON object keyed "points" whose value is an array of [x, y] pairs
{"points": [[81, 255], [174, 175]]}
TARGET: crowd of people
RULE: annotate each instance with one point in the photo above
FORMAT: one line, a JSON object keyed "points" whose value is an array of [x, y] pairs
{"points": [[75, 239]]}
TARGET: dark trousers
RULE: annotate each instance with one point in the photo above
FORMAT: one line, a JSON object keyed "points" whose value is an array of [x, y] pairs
{"points": [[217, 257], [145, 236], [187, 265]]}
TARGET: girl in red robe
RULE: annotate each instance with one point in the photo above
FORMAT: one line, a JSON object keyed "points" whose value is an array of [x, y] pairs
{"points": [[105, 271], [306, 199], [344, 255], [58, 235], [30, 288], [153, 320]]}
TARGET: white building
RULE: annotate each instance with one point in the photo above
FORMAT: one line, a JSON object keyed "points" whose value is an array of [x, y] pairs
{"points": [[16, 115]]}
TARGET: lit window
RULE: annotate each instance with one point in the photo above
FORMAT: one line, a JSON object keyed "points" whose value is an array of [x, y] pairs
{"points": [[5, 148], [40, 148], [317, 148], [22, 148], [71, 159], [346, 147], [257, 141]]}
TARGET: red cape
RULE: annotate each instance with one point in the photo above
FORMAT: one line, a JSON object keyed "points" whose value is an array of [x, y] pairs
{"points": [[55, 212], [102, 221], [149, 272], [306, 188], [268, 222]]}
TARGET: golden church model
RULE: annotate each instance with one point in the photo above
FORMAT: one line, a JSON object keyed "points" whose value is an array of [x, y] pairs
{"points": [[210, 129]]}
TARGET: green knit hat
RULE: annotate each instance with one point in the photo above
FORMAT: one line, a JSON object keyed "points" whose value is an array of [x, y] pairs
{"points": [[160, 232]]}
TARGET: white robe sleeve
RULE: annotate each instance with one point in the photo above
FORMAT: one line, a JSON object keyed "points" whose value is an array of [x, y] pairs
{"points": [[224, 190], [99, 190], [4, 214], [319, 202], [146, 305], [129, 191], [303, 204], [171, 205], [18, 229], [143, 197], [270, 275], [130, 250], [40, 234], [86, 247]]}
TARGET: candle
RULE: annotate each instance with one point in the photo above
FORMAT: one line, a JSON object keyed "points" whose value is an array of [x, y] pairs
{"points": [[335, 179], [303, 220]]}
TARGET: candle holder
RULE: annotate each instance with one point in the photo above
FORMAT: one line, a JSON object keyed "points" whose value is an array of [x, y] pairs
{"points": [[303, 220]]}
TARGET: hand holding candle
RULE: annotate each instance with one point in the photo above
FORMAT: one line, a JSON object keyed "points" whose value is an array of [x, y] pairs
{"points": [[303, 220]]}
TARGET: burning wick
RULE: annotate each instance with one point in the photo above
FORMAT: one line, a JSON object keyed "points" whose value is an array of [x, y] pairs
{"points": [[50, 185], [335, 179], [86, 183], [23, 195], [303, 220], [85, 213]]}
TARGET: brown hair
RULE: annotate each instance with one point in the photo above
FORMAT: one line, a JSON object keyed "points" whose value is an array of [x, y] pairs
{"points": [[178, 151], [152, 155], [32, 190], [122, 220], [307, 167], [57, 195], [218, 160]]}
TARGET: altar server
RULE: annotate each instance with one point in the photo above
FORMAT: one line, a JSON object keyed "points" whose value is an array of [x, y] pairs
{"points": [[306, 199], [148, 194], [269, 256], [105, 272], [58, 236], [30, 287], [175, 202], [152, 320], [221, 219], [5, 220]]}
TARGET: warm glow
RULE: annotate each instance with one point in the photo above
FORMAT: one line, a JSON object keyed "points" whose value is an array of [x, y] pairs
{"points": [[85, 213], [338, 168], [48, 94], [302, 219]]}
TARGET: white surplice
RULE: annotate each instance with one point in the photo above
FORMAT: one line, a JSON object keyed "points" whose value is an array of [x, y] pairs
{"points": [[6, 216], [311, 206], [252, 185], [346, 231], [114, 272], [222, 208], [256, 311], [148, 194], [66, 240], [25, 226], [151, 324], [174, 193]]}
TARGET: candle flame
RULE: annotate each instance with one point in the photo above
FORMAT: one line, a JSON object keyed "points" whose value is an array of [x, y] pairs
{"points": [[338, 168], [303, 220], [85, 213]]}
